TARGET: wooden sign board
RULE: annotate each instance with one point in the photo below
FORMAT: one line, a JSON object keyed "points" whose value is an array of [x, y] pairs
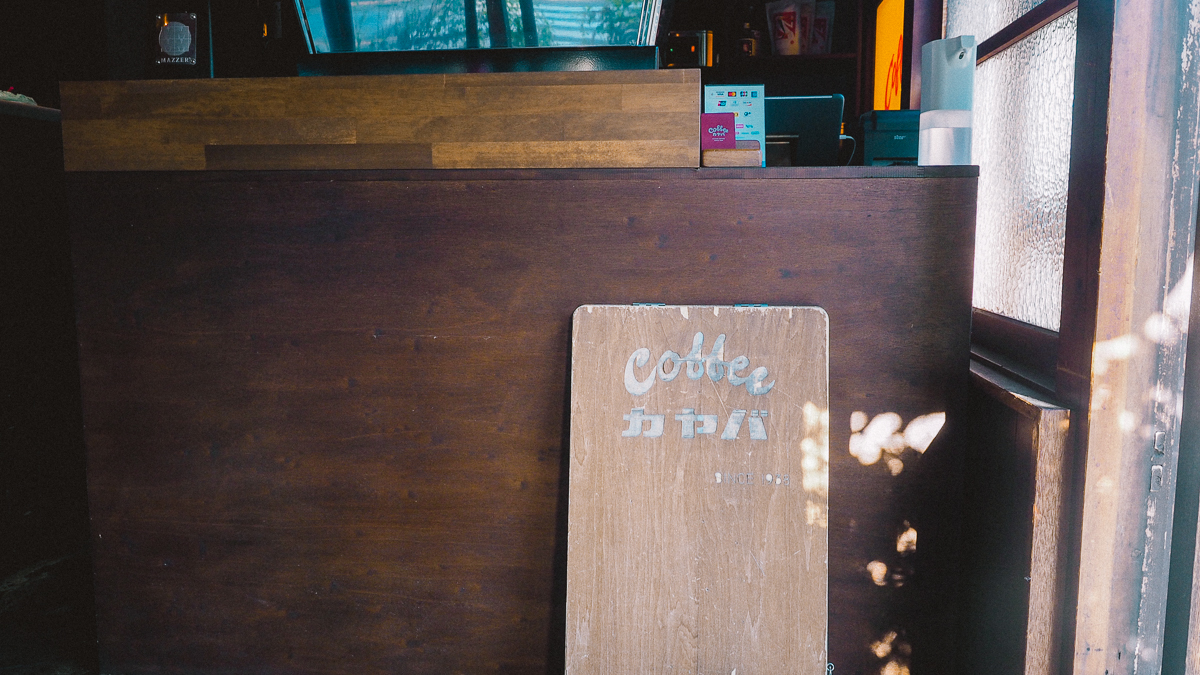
{"points": [[698, 490]]}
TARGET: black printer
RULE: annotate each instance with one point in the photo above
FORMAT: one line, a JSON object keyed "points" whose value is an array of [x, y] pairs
{"points": [[890, 137]]}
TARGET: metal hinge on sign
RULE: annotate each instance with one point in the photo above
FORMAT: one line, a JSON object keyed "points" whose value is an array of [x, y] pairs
{"points": [[751, 304]]}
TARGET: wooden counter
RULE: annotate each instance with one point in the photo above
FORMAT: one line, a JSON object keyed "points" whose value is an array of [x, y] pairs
{"points": [[326, 411], [632, 118]]}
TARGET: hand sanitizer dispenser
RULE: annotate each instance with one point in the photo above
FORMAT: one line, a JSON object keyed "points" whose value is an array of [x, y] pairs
{"points": [[947, 99]]}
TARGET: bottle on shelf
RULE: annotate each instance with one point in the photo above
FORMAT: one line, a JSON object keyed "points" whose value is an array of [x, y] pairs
{"points": [[750, 42]]}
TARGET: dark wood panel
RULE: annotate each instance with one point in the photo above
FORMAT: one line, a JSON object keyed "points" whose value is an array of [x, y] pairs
{"points": [[1017, 513], [325, 416], [315, 156], [1026, 352], [1081, 264], [1024, 26], [621, 174]]}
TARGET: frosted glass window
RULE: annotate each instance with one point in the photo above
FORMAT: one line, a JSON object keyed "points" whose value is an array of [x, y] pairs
{"points": [[1022, 144], [983, 18]]}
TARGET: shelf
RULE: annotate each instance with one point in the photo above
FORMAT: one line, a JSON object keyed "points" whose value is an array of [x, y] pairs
{"points": [[783, 58], [15, 109], [801, 75]]}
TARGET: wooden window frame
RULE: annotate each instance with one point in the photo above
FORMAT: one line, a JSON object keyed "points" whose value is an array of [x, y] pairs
{"points": [[1130, 230]]}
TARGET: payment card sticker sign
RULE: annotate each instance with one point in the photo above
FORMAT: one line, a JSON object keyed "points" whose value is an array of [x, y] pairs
{"points": [[699, 490], [746, 104]]}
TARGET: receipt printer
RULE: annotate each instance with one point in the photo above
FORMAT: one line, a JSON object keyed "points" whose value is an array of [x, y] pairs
{"points": [[890, 137]]}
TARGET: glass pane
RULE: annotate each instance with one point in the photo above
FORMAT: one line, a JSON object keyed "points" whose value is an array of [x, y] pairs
{"points": [[408, 24], [402, 25], [983, 19], [314, 23], [1022, 144]]}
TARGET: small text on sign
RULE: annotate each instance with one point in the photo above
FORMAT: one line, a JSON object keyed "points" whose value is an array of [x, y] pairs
{"points": [[692, 423]]}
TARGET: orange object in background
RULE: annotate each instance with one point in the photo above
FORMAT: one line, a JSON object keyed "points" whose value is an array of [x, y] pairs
{"points": [[889, 53]]}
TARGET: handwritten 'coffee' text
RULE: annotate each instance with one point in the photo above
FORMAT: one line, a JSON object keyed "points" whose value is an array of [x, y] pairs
{"points": [[713, 365]]}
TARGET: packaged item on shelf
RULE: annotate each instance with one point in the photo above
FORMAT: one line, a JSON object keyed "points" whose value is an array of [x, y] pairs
{"points": [[822, 28], [783, 18], [808, 9]]}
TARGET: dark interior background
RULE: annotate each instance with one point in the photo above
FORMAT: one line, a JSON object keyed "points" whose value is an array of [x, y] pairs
{"points": [[45, 563], [47, 613], [46, 603]]}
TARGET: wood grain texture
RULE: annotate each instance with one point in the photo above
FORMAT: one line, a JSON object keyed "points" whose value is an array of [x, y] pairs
{"points": [[325, 412], [560, 154], [731, 157], [1046, 431], [493, 120], [1019, 349], [698, 546], [316, 156], [1130, 236]]}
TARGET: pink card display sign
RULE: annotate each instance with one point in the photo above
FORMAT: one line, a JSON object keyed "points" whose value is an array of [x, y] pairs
{"points": [[717, 131]]}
